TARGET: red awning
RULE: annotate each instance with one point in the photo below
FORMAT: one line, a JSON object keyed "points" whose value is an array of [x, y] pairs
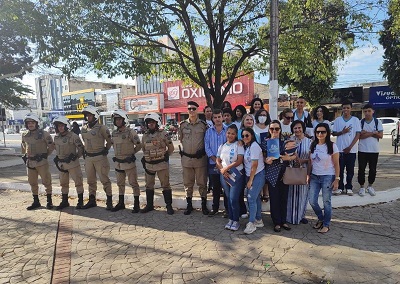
{"points": [[179, 109]]}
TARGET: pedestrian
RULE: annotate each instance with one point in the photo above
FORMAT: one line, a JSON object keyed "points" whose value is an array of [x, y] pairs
{"points": [[247, 121], [320, 115], [126, 144], [229, 158], [286, 118], [157, 147], [237, 116], [255, 105], [300, 114], [208, 115], [368, 149], [347, 128], [226, 104], [274, 170], [36, 146], [75, 128], [323, 174], [215, 137], [69, 149], [193, 157], [97, 142], [261, 125], [298, 194], [255, 179], [227, 116]]}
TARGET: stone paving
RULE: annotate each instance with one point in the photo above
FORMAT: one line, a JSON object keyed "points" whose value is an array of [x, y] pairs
{"points": [[363, 246]]}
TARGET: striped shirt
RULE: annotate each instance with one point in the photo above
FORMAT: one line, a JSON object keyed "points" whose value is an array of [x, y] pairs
{"points": [[212, 141]]}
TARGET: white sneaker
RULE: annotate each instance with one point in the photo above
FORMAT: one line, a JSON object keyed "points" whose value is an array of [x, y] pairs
{"points": [[244, 216], [350, 192], [259, 223], [361, 192], [371, 190], [337, 191], [250, 228], [228, 225], [235, 226]]}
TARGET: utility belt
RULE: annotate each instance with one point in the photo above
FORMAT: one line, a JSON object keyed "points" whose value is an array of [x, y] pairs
{"points": [[143, 160], [130, 159], [69, 159], [104, 152], [38, 157], [198, 155]]}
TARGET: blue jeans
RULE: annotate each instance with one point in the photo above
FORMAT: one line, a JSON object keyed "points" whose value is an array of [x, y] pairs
{"points": [[232, 195], [348, 161], [253, 196], [316, 184]]}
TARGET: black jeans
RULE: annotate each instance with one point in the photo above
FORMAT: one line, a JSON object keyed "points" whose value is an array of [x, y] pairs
{"points": [[217, 188], [278, 197], [347, 161], [372, 160]]}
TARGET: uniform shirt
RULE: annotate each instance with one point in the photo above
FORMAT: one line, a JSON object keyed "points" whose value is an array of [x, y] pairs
{"points": [[125, 143], [154, 146], [95, 139], [370, 144], [191, 136], [253, 153], [228, 153], [36, 142], [343, 141], [212, 140], [322, 163], [68, 144]]}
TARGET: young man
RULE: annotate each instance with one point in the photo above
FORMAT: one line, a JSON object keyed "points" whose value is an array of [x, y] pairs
{"points": [[194, 160], [215, 137], [227, 116], [347, 128], [368, 149]]}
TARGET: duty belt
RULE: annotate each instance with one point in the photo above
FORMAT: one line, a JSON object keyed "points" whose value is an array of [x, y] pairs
{"points": [[69, 159], [130, 159], [38, 157], [103, 152], [199, 154]]}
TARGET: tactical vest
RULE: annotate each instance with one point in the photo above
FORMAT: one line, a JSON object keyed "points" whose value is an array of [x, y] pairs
{"points": [[36, 143], [123, 144], [65, 146], [94, 141], [154, 146]]}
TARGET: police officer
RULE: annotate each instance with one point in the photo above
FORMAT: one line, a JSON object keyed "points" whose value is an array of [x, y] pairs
{"points": [[36, 146], [95, 136], [126, 144], [194, 159], [157, 147], [69, 149]]}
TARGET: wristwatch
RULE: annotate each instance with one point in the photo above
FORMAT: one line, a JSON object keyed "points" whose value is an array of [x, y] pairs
{"points": [[338, 178]]}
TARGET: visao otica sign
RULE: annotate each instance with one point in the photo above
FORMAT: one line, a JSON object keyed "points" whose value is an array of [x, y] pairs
{"points": [[383, 97]]}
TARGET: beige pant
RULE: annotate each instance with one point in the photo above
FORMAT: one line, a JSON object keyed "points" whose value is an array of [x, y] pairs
{"points": [[132, 180], [102, 169], [163, 176], [190, 175], [76, 175], [44, 173]]}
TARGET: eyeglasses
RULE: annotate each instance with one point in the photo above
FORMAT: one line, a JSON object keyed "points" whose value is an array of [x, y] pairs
{"points": [[274, 128], [245, 135], [289, 117], [192, 108], [320, 132]]}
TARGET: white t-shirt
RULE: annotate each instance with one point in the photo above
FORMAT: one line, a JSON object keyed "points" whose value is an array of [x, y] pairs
{"points": [[238, 124], [258, 131], [370, 144], [286, 131], [322, 163], [253, 153], [210, 123], [344, 140], [228, 153]]}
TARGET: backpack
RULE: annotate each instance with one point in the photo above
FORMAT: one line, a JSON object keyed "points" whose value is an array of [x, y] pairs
{"points": [[376, 124]]}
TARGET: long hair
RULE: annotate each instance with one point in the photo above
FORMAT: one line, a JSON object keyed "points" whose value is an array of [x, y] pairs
{"points": [[328, 141], [280, 126], [325, 112], [258, 115], [242, 110], [252, 103], [244, 116], [253, 136], [233, 127]]}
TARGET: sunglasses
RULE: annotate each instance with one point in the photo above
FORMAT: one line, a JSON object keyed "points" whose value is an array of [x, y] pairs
{"points": [[320, 132], [245, 135], [289, 117], [192, 108], [274, 128]]}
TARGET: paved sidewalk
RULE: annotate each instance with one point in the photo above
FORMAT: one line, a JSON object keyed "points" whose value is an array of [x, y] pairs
{"points": [[97, 246]]}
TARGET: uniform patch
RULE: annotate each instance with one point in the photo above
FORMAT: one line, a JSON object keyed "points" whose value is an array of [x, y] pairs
{"points": [[65, 140], [93, 132]]}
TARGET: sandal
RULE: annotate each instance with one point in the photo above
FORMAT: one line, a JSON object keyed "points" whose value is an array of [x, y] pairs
{"points": [[323, 230], [286, 227], [265, 198], [277, 228], [319, 225]]}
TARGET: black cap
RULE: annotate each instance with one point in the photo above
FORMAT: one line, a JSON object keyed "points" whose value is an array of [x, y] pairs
{"points": [[192, 103]]}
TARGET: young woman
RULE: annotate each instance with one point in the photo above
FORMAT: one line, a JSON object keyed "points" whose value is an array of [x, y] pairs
{"points": [[255, 105], [320, 115], [247, 121], [230, 155], [255, 179], [262, 120], [323, 174], [237, 116], [286, 117]]}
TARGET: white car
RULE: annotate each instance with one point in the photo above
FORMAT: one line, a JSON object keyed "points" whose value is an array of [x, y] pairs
{"points": [[389, 124], [9, 131]]}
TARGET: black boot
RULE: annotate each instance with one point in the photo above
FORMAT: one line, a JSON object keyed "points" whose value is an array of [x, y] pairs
{"points": [[49, 204], [168, 201], [80, 201], [109, 203], [91, 203], [189, 207], [35, 204], [136, 205], [120, 205], [64, 203], [150, 201], [204, 206]]}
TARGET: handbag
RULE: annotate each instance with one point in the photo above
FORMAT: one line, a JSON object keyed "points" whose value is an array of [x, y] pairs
{"points": [[295, 176]]}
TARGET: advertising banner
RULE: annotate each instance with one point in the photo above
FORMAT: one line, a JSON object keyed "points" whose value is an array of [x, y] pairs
{"points": [[383, 97], [143, 104], [353, 94], [74, 102]]}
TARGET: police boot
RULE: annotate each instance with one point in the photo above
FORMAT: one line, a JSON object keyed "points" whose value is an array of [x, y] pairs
{"points": [[91, 203], [120, 205], [35, 204], [80, 201], [64, 203], [189, 207], [109, 202], [136, 205], [150, 201], [168, 201], [204, 206], [49, 204]]}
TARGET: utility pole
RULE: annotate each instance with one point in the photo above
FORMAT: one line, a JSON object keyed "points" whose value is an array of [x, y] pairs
{"points": [[2, 123], [273, 61]]}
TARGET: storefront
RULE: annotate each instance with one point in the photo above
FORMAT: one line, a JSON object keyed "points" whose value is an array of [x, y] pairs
{"points": [[385, 101]]}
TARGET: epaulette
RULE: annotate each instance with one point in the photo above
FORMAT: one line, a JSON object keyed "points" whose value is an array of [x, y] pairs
{"points": [[183, 121], [204, 122]]}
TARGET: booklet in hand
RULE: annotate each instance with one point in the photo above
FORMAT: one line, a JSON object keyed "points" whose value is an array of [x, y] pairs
{"points": [[273, 148], [234, 176]]}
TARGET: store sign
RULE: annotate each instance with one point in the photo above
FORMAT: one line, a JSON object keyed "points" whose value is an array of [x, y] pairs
{"points": [[142, 104], [383, 97], [177, 92], [353, 94], [75, 102]]}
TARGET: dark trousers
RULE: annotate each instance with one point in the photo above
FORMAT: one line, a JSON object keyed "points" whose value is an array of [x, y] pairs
{"points": [[242, 204], [347, 161], [278, 197], [217, 189], [372, 160]]}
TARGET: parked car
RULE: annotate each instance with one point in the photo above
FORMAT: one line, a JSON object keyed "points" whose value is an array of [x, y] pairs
{"points": [[389, 124], [9, 131]]}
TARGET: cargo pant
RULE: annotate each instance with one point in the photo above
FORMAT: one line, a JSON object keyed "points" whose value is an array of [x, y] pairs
{"points": [[132, 180], [192, 175], [76, 175], [44, 173], [102, 169]]}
